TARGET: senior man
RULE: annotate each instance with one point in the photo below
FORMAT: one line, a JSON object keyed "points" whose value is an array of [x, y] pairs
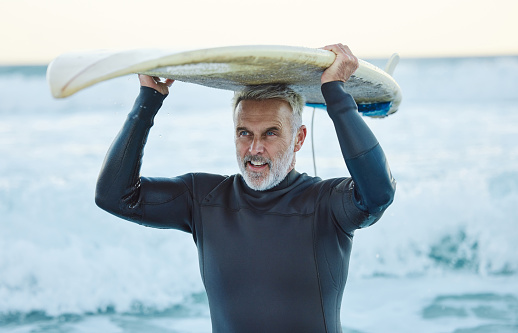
{"points": [[273, 244]]}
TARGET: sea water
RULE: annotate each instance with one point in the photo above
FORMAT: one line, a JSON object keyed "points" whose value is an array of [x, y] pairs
{"points": [[444, 258]]}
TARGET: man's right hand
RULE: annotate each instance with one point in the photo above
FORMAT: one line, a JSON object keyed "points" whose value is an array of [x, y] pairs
{"points": [[155, 83]]}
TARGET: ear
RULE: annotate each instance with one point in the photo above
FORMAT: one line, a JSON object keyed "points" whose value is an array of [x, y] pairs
{"points": [[300, 137]]}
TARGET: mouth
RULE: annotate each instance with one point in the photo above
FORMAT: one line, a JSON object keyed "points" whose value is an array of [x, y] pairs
{"points": [[256, 164]]}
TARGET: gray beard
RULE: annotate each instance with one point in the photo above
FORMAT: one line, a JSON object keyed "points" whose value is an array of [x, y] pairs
{"points": [[277, 170]]}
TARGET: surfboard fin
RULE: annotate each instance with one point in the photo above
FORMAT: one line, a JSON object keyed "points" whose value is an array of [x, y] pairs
{"points": [[392, 63]]}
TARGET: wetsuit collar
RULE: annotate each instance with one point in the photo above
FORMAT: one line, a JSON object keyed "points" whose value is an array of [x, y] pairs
{"points": [[290, 178]]}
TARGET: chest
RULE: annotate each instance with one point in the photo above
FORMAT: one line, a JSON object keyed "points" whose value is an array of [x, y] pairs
{"points": [[246, 242]]}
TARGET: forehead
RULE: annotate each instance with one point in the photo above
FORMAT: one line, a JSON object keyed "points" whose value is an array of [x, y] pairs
{"points": [[253, 112]]}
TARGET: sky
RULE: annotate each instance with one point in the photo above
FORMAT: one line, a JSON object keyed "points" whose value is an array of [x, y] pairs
{"points": [[36, 31]]}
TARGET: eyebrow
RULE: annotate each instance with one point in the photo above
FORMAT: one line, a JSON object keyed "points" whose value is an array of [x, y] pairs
{"points": [[242, 128], [273, 128]]}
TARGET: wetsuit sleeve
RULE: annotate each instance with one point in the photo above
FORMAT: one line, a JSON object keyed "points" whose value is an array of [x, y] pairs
{"points": [[372, 183], [154, 202]]}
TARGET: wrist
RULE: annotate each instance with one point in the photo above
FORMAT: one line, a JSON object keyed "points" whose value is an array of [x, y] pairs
{"points": [[336, 97], [148, 102], [150, 97]]}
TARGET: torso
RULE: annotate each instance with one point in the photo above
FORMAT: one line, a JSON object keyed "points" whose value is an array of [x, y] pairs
{"points": [[272, 261]]}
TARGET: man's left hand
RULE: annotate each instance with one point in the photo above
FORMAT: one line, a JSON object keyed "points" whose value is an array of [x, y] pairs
{"points": [[343, 67]]}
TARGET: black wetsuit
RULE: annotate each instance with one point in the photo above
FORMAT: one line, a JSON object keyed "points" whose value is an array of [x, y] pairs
{"points": [[271, 261]]}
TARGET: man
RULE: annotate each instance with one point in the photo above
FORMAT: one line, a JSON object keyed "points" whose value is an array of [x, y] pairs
{"points": [[273, 244]]}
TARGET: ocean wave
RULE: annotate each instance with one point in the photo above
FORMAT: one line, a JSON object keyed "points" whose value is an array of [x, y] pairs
{"points": [[452, 152]]}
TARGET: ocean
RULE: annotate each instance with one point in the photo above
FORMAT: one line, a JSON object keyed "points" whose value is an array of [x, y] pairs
{"points": [[443, 259]]}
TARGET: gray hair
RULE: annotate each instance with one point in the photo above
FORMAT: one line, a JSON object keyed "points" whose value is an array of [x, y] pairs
{"points": [[273, 91]]}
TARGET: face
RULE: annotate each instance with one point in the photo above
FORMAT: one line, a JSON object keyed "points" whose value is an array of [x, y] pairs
{"points": [[265, 141]]}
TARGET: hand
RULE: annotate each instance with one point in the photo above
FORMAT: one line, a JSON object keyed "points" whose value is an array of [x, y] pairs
{"points": [[343, 67], [155, 83]]}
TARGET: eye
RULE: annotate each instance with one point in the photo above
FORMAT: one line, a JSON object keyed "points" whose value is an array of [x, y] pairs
{"points": [[270, 133], [243, 133]]}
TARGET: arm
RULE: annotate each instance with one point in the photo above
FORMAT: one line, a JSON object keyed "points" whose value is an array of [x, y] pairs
{"points": [[374, 186], [120, 189]]}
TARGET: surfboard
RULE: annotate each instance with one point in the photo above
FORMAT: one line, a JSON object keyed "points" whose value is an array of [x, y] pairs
{"points": [[231, 68]]}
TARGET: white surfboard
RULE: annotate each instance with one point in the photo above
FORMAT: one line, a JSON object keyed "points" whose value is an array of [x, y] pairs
{"points": [[230, 68]]}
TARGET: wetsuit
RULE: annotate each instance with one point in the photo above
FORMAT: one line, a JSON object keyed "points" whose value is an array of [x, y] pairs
{"points": [[271, 261]]}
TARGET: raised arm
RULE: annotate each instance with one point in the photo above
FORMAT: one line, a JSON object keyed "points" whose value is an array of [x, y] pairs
{"points": [[120, 189], [374, 186]]}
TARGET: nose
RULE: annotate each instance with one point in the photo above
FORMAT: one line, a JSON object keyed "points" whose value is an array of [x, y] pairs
{"points": [[256, 147]]}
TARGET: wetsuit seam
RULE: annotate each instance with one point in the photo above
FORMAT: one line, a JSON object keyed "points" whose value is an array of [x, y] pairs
{"points": [[258, 211], [328, 265], [187, 187], [207, 196], [163, 202], [201, 246], [196, 234], [331, 189], [339, 280], [318, 203], [347, 215], [362, 153], [315, 258], [350, 217], [118, 172], [191, 193], [342, 230], [338, 296]]}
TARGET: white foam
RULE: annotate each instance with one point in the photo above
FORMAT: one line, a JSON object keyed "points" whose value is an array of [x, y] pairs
{"points": [[455, 159]]}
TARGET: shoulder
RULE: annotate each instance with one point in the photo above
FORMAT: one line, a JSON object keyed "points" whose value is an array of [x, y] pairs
{"points": [[324, 186], [197, 184], [200, 184]]}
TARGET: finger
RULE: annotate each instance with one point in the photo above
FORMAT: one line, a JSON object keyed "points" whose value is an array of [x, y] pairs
{"points": [[348, 53], [334, 48], [341, 51], [325, 47], [351, 53], [146, 80], [169, 82]]}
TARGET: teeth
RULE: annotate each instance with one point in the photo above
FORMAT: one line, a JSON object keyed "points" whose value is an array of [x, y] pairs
{"points": [[256, 163]]}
